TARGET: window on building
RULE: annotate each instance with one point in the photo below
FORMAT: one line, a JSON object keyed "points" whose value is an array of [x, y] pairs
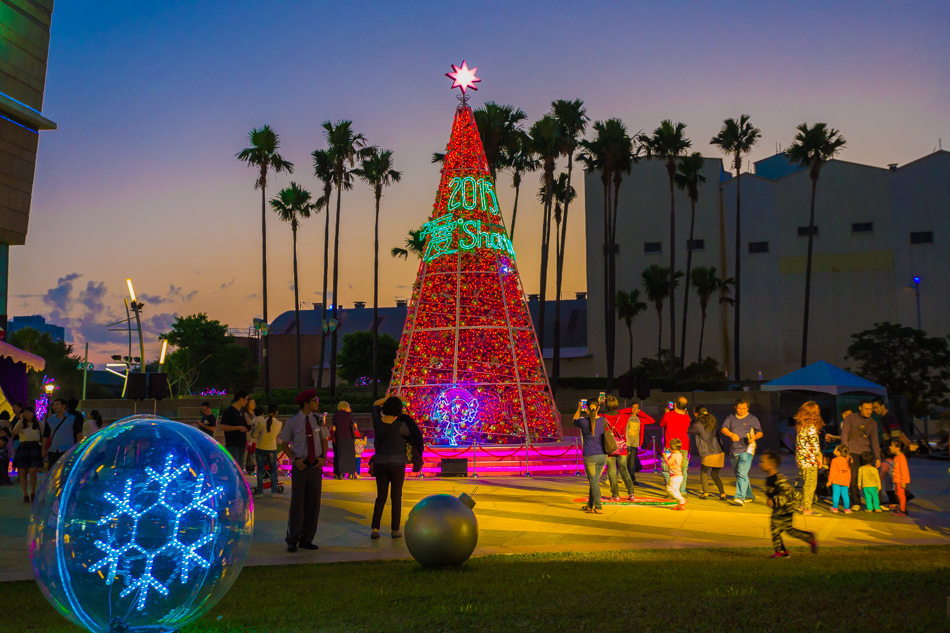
{"points": [[697, 245], [862, 227], [803, 231], [922, 237], [758, 247], [652, 248]]}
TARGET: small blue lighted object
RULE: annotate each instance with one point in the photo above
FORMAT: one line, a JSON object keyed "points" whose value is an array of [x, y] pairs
{"points": [[142, 527], [916, 280]]}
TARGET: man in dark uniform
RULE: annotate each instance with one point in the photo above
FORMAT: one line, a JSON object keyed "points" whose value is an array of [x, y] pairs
{"points": [[306, 441]]}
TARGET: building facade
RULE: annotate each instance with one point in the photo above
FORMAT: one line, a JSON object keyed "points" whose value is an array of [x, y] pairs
{"points": [[38, 323], [24, 49], [877, 229]]}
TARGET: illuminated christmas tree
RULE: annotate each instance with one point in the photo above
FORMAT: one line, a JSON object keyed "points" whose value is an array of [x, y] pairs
{"points": [[469, 362]]}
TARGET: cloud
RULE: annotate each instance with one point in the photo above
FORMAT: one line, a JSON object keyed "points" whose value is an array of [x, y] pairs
{"points": [[92, 297], [60, 296], [158, 324], [173, 295], [227, 285], [254, 295]]}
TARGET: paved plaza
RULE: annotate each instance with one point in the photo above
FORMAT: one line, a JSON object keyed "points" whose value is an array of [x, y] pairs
{"points": [[539, 514]]}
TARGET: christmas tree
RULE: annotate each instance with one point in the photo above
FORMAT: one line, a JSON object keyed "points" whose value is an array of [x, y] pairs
{"points": [[469, 364]]}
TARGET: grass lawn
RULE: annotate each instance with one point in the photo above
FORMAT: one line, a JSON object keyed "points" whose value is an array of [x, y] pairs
{"points": [[855, 589]]}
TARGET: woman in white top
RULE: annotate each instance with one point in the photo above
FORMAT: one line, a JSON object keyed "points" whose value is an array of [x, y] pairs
{"points": [[93, 424], [29, 455], [265, 435]]}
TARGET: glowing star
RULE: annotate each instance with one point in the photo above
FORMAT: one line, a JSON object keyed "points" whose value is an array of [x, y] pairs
{"points": [[463, 77]]}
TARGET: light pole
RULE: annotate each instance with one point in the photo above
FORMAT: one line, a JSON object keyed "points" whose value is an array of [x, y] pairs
{"points": [[85, 365], [916, 286], [137, 309]]}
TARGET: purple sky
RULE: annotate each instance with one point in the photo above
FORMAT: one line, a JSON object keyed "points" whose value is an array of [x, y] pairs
{"points": [[140, 179]]}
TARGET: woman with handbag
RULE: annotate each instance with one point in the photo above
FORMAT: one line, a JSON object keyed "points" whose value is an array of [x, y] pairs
{"points": [[388, 464], [617, 461], [593, 428]]}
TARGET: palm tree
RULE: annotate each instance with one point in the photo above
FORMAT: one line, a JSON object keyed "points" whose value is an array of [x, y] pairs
{"points": [[262, 154], [323, 170], [346, 148], [689, 177], [611, 153], [377, 171], [415, 244], [669, 142], [706, 281], [572, 117], [812, 148], [520, 160], [499, 128], [656, 285], [291, 203], [629, 307], [735, 139], [546, 142]]}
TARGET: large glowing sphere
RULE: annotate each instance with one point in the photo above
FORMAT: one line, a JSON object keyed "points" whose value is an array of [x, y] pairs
{"points": [[142, 527]]}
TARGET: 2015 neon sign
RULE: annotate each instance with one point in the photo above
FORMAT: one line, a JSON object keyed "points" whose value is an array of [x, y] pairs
{"points": [[468, 192]]}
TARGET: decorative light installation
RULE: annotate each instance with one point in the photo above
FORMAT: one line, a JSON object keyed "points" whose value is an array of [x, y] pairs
{"points": [[41, 404], [142, 527], [468, 361], [463, 77], [211, 391]]}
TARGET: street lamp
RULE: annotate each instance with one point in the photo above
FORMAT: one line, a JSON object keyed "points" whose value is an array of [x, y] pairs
{"points": [[916, 286], [137, 309], [161, 361]]}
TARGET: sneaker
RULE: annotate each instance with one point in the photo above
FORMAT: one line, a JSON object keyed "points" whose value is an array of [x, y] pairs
{"points": [[885, 508], [396, 534], [782, 554], [848, 511], [26, 498], [291, 547], [750, 498], [856, 508], [276, 495], [374, 534], [877, 510], [679, 506], [738, 502], [258, 493], [898, 513], [614, 499], [836, 510], [813, 543], [631, 498], [310, 546], [808, 513]]}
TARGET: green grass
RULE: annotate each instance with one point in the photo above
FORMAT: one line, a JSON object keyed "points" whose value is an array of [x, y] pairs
{"points": [[861, 588]]}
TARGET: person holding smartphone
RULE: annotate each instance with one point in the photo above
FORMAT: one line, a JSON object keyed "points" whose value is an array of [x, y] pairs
{"points": [[592, 426]]}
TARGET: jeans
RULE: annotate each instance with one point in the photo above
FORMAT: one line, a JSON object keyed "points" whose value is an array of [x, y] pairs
{"points": [[839, 492], [741, 464], [871, 499], [389, 478], [266, 458], [593, 466], [238, 454], [666, 472], [615, 464]]}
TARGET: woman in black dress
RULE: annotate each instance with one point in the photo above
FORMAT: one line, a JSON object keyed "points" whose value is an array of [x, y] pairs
{"points": [[344, 441]]}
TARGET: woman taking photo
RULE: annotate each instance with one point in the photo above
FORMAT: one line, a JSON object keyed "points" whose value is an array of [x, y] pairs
{"points": [[703, 428], [343, 432], [808, 424], [592, 430], [29, 455], [394, 430]]}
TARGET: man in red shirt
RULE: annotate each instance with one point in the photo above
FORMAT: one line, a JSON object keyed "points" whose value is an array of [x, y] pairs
{"points": [[674, 424]]}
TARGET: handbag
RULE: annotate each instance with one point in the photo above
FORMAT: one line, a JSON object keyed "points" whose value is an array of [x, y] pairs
{"points": [[608, 439], [369, 468], [620, 440]]}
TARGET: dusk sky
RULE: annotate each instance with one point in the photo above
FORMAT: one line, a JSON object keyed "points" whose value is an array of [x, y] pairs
{"points": [[154, 99]]}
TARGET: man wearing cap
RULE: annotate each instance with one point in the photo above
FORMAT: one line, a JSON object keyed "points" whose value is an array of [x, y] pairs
{"points": [[306, 441]]}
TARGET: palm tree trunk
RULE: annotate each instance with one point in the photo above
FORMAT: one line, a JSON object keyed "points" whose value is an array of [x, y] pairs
{"points": [[612, 289], [514, 214], [607, 312], [562, 242], [376, 302], [672, 280], [630, 333], [689, 263], [545, 249], [264, 357], [659, 335], [297, 307], [323, 309], [811, 238], [336, 298], [702, 328], [738, 286]]}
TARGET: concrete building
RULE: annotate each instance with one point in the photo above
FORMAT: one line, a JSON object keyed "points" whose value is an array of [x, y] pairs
{"points": [[24, 48], [38, 323], [877, 229]]}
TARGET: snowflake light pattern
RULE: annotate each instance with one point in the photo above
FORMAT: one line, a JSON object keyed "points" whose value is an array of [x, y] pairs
{"points": [[128, 552]]}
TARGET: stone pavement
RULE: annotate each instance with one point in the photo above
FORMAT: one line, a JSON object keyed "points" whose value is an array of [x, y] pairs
{"points": [[527, 515]]}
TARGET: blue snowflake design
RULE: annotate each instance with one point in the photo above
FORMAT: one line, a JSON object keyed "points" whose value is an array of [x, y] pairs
{"points": [[125, 554]]}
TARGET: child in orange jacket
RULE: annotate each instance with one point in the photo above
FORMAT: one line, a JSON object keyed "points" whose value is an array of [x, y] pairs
{"points": [[839, 477], [901, 476]]}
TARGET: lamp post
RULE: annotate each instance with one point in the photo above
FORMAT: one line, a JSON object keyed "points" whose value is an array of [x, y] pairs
{"points": [[137, 309], [916, 286], [161, 360]]}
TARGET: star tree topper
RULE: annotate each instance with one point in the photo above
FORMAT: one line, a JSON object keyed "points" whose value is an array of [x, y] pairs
{"points": [[463, 77]]}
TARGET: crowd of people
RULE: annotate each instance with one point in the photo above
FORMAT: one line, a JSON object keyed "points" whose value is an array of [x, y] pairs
{"points": [[854, 465]]}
